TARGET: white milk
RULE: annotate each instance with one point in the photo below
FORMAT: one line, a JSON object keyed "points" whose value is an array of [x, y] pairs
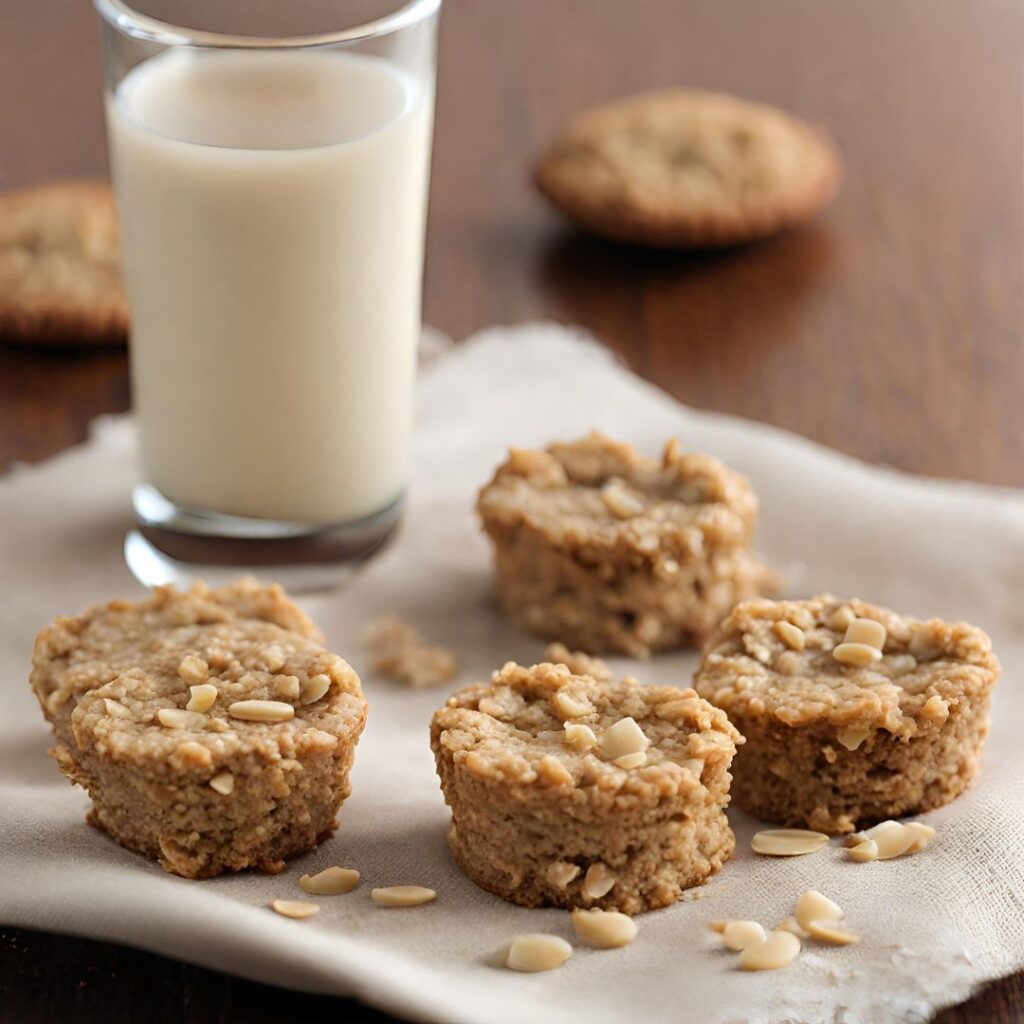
{"points": [[273, 212]]}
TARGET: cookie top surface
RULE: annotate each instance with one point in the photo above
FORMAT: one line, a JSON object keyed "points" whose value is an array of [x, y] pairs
{"points": [[115, 668], [60, 265], [512, 734], [689, 168], [598, 493], [750, 670]]}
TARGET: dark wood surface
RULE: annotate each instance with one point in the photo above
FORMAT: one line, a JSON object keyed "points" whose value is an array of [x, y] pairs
{"points": [[891, 328]]}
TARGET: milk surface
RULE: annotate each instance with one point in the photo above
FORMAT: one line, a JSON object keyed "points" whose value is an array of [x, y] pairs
{"points": [[273, 211]]}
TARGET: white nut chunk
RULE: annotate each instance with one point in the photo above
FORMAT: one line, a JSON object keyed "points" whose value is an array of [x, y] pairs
{"points": [[865, 631], [330, 882], [891, 838], [857, 655], [923, 835], [297, 909], [603, 929], [193, 669], [776, 951], [261, 710], [314, 688], [179, 718], [830, 931], [537, 952], [864, 852], [852, 736], [813, 906], [224, 783], [203, 698], [792, 636], [402, 895], [737, 935], [624, 737], [561, 872], [579, 737], [597, 882], [787, 842], [568, 707]]}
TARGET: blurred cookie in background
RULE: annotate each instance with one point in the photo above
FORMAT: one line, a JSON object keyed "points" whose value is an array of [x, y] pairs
{"points": [[688, 169], [60, 266]]}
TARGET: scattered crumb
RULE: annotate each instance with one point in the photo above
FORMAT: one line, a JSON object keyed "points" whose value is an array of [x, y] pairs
{"points": [[399, 652]]}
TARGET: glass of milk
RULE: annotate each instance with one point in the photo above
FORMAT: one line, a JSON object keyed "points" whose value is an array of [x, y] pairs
{"points": [[272, 192]]}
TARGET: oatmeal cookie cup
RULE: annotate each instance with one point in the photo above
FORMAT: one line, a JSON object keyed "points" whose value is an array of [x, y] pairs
{"points": [[851, 713], [606, 550], [210, 728], [569, 791]]}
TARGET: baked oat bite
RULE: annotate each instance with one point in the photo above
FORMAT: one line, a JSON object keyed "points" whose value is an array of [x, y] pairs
{"points": [[569, 791], [851, 713], [210, 728], [605, 550]]}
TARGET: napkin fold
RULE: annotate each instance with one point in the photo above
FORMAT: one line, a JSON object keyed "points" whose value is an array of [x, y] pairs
{"points": [[932, 926]]}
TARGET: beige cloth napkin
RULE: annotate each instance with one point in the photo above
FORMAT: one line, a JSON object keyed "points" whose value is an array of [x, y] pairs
{"points": [[933, 925]]}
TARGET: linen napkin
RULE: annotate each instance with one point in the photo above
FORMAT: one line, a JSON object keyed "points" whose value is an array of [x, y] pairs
{"points": [[932, 926]]}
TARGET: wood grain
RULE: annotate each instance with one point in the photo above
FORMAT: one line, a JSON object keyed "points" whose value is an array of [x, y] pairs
{"points": [[890, 329]]}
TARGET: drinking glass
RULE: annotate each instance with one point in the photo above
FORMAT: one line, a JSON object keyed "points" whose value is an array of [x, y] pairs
{"points": [[272, 196]]}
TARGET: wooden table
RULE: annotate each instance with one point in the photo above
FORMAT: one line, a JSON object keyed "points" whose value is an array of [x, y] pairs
{"points": [[890, 329]]}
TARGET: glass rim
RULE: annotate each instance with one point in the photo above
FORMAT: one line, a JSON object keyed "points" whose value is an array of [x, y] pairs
{"points": [[119, 15]]}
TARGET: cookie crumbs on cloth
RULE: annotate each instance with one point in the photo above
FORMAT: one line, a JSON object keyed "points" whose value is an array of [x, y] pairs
{"points": [[398, 651]]}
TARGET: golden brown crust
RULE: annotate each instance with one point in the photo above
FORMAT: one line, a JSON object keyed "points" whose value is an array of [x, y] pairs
{"points": [[60, 266], [833, 745], [527, 805], [688, 168], [115, 683]]}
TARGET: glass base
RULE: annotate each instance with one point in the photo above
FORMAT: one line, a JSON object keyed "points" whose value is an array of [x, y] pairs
{"points": [[172, 544]]}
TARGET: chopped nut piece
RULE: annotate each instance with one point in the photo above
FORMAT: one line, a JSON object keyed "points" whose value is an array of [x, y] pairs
{"points": [[297, 909], [402, 895], [865, 631], [224, 783], [718, 926], [603, 929], [560, 873], [841, 618], [261, 710], [852, 737], [193, 669], [792, 636], [620, 501], [579, 737], [891, 838], [863, 852], [776, 951], [813, 906], [923, 835], [550, 769], [829, 931], [936, 709], [738, 935], [854, 839], [624, 737], [537, 952], [203, 698], [787, 842], [330, 881], [116, 710], [857, 655], [179, 718], [287, 688], [314, 688], [569, 707], [398, 651], [628, 761], [597, 882]]}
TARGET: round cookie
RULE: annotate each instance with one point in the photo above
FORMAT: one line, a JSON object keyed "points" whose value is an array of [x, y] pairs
{"points": [[60, 266], [686, 168], [569, 791], [210, 728], [851, 713], [604, 549]]}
